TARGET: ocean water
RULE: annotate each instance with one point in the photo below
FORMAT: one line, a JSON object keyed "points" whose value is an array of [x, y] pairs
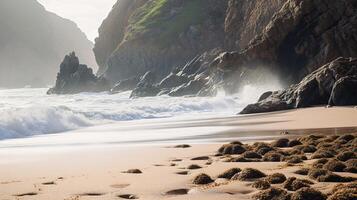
{"points": [[28, 112]]}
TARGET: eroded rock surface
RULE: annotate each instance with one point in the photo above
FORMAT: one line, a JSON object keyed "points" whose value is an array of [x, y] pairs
{"points": [[332, 84], [75, 78]]}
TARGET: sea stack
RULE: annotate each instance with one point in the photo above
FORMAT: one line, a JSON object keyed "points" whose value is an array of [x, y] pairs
{"points": [[76, 78]]}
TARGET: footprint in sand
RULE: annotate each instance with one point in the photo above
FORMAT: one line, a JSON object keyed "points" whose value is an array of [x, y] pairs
{"points": [[128, 196], [133, 171], [182, 173], [49, 183], [177, 192], [176, 160], [120, 186], [92, 194], [26, 194], [201, 158]]}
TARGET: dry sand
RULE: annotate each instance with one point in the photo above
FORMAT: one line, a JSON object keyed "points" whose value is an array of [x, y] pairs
{"points": [[96, 171]]}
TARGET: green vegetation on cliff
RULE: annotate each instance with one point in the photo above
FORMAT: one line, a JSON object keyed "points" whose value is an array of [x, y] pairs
{"points": [[166, 20]]}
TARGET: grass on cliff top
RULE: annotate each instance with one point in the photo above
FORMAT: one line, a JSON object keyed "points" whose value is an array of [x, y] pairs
{"points": [[156, 15]]}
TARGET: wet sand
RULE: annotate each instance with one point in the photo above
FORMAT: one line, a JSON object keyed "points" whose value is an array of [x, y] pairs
{"points": [[81, 165]]}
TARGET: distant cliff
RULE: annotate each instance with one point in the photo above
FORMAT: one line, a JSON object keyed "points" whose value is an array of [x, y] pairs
{"points": [[33, 42]]}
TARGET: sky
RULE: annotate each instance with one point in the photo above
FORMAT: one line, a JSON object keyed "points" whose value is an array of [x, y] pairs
{"points": [[87, 14]]}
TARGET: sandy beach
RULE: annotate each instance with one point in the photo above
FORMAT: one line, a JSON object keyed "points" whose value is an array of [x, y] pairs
{"points": [[83, 165]]}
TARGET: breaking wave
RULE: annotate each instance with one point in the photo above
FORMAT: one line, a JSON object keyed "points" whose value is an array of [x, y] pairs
{"points": [[29, 112]]}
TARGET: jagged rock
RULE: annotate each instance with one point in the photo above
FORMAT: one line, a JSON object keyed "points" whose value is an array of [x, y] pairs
{"points": [[75, 78], [133, 40], [125, 85], [344, 91], [146, 86], [173, 80], [332, 83], [191, 88]]}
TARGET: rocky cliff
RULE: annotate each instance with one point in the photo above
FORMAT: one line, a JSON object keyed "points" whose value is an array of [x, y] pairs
{"points": [[243, 38], [158, 35], [33, 42]]}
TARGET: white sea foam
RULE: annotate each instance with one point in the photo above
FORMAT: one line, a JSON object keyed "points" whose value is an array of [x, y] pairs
{"points": [[27, 112]]}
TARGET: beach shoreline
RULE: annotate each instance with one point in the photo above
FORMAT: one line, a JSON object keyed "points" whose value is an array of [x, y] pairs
{"points": [[94, 170]]}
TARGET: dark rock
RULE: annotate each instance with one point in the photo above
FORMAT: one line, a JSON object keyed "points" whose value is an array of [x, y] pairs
{"points": [[261, 184], [273, 157], [191, 88], [344, 92], [293, 143], [306, 148], [202, 179], [334, 166], [125, 85], [282, 142], [344, 194], [323, 175], [229, 173], [276, 178], [293, 159], [351, 166], [248, 174], [146, 86], [232, 149], [272, 194], [308, 194], [251, 154], [293, 184], [172, 81], [303, 171], [333, 82], [320, 163], [323, 153], [76, 78]]}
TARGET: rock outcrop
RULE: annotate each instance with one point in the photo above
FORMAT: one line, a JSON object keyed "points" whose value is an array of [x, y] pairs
{"points": [[75, 78], [172, 38], [158, 35], [333, 84], [302, 35], [189, 80], [33, 42]]}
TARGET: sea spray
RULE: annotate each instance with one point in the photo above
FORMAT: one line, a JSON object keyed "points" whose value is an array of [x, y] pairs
{"points": [[28, 112]]}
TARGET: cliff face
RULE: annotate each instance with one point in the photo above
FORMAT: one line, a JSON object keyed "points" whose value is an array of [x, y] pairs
{"points": [[33, 42], [302, 36], [245, 19], [288, 38], [158, 35], [112, 30]]}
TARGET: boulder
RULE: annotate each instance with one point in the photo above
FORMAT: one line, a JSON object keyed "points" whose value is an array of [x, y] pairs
{"points": [[191, 88], [146, 86], [331, 84], [76, 78], [125, 85], [344, 92]]}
